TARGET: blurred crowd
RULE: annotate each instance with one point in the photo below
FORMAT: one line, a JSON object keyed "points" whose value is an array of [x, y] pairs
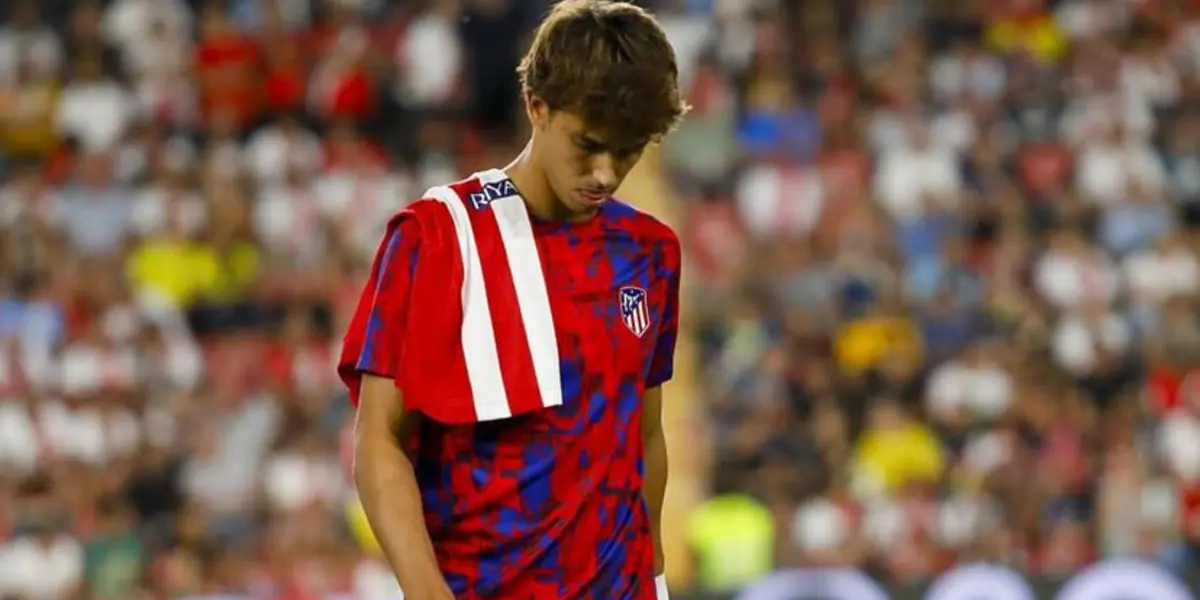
{"points": [[942, 277], [945, 283], [190, 197]]}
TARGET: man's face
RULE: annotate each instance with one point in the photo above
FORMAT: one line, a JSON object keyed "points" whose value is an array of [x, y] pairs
{"points": [[584, 166]]}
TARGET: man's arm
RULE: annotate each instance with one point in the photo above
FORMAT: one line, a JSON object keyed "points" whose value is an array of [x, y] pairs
{"points": [[388, 489], [370, 365], [655, 487], [662, 368]]}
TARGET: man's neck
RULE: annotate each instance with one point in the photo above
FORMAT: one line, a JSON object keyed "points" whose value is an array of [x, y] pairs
{"points": [[534, 188]]}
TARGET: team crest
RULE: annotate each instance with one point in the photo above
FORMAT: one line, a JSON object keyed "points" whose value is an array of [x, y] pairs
{"points": [[635, 312]]}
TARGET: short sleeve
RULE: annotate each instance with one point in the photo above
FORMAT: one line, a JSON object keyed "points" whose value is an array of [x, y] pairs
{"points": [[373, 342], [662, 365], [392, 281]]}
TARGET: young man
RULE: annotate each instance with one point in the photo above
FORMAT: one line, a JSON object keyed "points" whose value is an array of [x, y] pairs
{"points": [[507, 355]]}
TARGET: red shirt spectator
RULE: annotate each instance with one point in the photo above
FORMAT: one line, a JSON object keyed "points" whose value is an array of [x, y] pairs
{"points": [[1166, 387], [227, 64], [1044, 168], [342, 88], [286, 79]]}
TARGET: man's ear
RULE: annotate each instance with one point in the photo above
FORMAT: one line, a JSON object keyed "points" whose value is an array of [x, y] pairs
{"points": [[537, 110]]}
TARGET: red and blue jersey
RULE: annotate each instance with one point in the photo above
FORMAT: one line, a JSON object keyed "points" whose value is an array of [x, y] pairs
{"points": [[546, 503]]}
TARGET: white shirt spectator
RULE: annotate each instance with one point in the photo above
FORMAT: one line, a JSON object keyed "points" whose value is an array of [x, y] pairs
{"points": [[39, 48], [360, 204], [1084, 19], [985, 452], [774, 200], [1091, 116], [735, 44], [953, 76], [130, 22], [157, 206], [274, 151], [220, 485], [1159, 504], [1157, 276], [123, 433], [95, 113], [37, 570], [1152, 80], [887, 130], [1179, 444], [157, 57], [430, 59], [1069, 281], [77, 434], [18, 438], [896, 528], [294, 481], [225, 473], [181, 363], [908, 179], [983, 390], [953, 129], [1076, 341], [689, 33], [24, 205], [1106, 171], [962, 518], [120, 323], [885, 524], [37, 360], [820, 525], [85, 369], [288, 221]]}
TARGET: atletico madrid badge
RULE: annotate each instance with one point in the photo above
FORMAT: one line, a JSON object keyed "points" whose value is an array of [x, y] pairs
{"points": [[634, 310]]}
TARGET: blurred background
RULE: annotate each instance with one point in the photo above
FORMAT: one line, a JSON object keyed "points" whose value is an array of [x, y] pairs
{"points": [[941, 291]]}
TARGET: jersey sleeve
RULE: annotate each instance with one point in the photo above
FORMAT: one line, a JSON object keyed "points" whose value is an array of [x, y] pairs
{"points": [[374, 340], [662, 365]]}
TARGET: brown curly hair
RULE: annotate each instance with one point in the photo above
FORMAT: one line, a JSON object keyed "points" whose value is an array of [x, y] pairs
{"points": [[610, 64]]}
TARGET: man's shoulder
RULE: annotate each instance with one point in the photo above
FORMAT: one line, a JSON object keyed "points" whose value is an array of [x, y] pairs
{"points": [[639, 223]]}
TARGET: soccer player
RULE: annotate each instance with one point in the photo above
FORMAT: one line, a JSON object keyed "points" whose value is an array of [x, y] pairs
{"points": [[507, 354]]}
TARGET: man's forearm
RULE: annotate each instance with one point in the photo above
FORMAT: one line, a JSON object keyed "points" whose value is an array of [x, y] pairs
{"points": [[391, 499], [655, 490]]}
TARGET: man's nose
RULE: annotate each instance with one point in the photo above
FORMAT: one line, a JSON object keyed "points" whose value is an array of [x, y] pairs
{"points": [[604, 172]]}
